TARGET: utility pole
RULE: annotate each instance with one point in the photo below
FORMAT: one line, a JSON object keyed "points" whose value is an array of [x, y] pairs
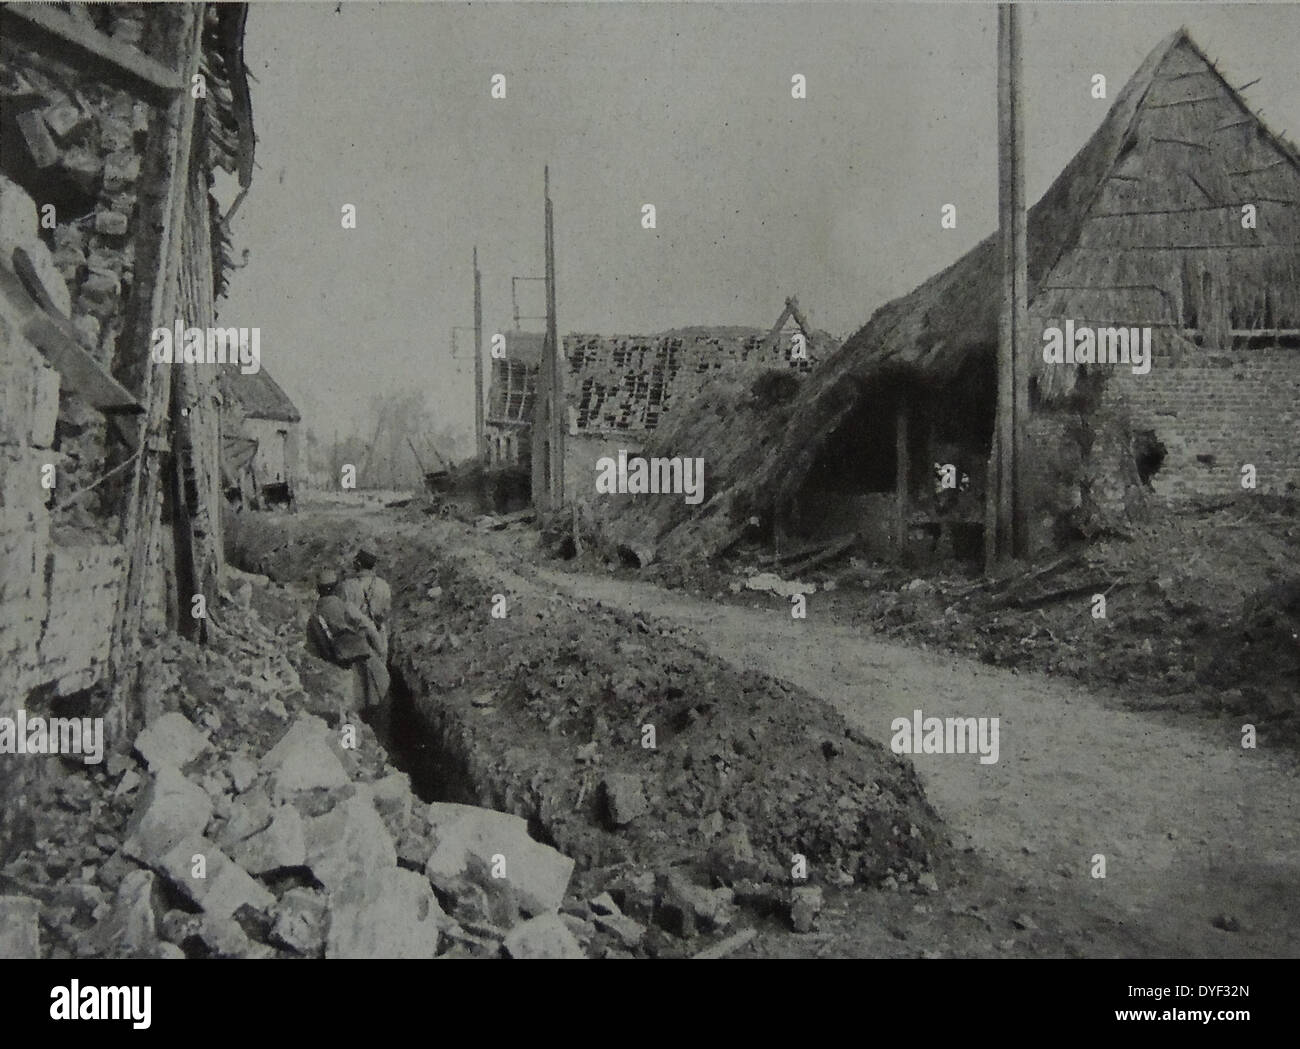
{"points": [[480, 451], [558, 415], [1008, 536]]}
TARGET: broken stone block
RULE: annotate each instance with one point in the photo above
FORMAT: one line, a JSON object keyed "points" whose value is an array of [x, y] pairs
{"points": [[303, 759], [685, 908], [805, 905], [731, 858], [277, 846], [121, 169], [111, 223], [392, 796], [248, 814], [348, 839], [218, 937], [478, 845], [130, 929], [83, 167], [169, 809], [604, 904], [40, 144], [129, 781], [20, 927], [115, 134], [177, 926], [89, 328], [224, 886], [545, 936], [300, 919], [625, 798], [170, 740], [628, 931], [243, 771], [63, 118], [389, 914]]}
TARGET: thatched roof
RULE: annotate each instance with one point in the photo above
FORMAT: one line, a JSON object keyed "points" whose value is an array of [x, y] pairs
{"points": [[257, 396], [1147, 210], [1164, 120]]}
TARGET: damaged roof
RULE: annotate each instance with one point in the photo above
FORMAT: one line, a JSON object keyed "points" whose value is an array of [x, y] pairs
{"points": [[626, 383], [257, 395]]}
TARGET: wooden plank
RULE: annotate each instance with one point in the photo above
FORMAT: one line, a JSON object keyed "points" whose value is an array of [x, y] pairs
{"points": [[139, 70]]}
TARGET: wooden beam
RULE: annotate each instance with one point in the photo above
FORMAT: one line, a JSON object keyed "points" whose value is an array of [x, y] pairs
{"points": [[140, 72], [902, 473], [1013, 362]]}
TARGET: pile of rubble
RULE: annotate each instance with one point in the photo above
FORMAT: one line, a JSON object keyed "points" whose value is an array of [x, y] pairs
{"points": [[239, 823]]}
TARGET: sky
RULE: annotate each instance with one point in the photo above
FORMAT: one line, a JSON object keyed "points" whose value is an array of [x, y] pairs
{"points": [[687, 106]]}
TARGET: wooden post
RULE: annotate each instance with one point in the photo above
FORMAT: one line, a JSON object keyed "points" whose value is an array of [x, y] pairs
{"points": [[480, 449], [902, 470], [142, 518], [558, 420], [1013, 376]]}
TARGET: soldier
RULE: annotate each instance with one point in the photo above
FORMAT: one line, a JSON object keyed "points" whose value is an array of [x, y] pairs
{"points": [[332, 636], [370, 599]]}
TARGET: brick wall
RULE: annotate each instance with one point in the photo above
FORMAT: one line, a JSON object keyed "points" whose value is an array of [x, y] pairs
{"points": [[1216, 409], [29, 400]]}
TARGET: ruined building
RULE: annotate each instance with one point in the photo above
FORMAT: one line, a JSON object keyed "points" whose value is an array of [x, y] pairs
{"points": [[1180, 215], [619, 388], [113, 119]]}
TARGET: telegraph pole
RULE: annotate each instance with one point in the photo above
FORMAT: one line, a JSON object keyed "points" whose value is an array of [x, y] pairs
{"points": [[479, 449], [1009, 537], [558, 417]]}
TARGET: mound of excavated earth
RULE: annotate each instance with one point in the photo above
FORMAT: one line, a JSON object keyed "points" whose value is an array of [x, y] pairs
{"points": [[620, 744]]}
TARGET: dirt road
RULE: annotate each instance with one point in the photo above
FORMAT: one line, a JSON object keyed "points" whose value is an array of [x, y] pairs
{"points": [[1201, 838]]}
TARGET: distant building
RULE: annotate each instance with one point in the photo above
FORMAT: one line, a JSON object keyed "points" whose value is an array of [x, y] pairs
{"points": [[619, 388], [511, 393], [259, 441]]}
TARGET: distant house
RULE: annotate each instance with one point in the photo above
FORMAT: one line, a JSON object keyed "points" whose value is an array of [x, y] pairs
{"points": [[1180, 215], [619, 388], [259, 441], [511, 393]]}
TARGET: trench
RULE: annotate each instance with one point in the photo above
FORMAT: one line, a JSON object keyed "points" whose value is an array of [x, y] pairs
{"points": [[439, 770]]}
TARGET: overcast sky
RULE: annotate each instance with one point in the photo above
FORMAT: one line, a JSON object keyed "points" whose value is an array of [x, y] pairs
{"points": [[686, 106]]}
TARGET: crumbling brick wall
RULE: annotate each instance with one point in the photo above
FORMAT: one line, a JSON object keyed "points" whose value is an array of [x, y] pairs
{"points": [[1214, 410], [81, 151]]}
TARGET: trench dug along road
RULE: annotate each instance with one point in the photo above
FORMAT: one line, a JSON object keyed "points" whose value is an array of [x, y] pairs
{"points": [[1200, 837]]}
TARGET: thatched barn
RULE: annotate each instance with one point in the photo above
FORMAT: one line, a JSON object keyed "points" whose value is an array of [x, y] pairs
{"points": [[1181, 214]]}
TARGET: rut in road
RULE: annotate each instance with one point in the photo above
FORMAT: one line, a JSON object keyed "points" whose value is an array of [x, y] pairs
{"points": [[1191, 825]]}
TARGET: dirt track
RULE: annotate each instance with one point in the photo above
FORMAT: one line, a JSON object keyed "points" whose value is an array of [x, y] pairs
{"points": [[1192, 826]]}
